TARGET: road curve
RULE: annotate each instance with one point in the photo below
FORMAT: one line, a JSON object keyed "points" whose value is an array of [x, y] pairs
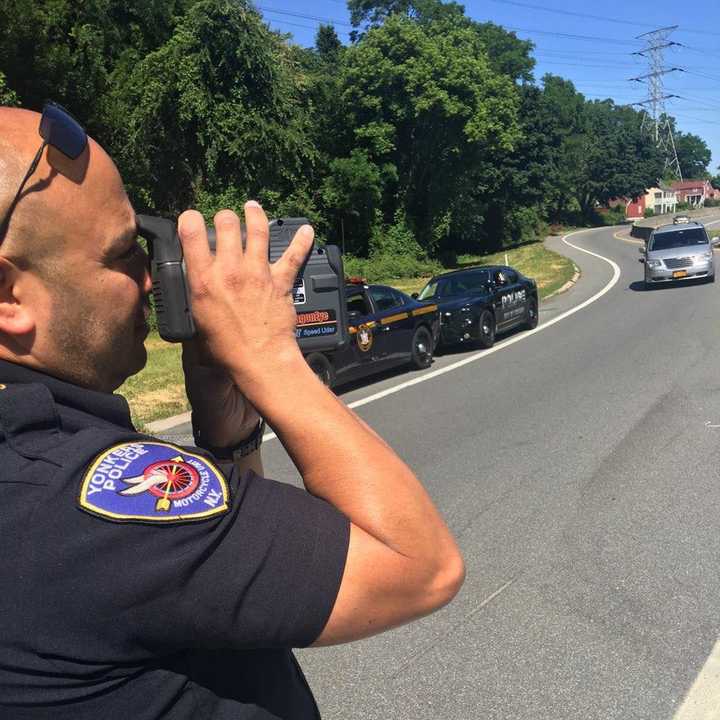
{"points": [[580, 476]]}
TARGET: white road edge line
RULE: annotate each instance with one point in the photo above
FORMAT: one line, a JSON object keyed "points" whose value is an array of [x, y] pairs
{"points": [[500, 346], [702, 701]]}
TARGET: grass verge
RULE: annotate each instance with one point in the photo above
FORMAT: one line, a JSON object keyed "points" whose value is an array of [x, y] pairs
{"points": [[158, 391]]}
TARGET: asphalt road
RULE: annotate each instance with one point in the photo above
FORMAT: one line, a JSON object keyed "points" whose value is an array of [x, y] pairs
{"points": [[577, 471]]}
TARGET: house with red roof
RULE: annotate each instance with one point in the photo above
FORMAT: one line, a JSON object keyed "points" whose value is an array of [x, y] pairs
{"points": [[694, 192]]}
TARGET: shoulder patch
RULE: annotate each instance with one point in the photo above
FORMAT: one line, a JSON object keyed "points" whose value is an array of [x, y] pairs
{"points": [[153, 482]]}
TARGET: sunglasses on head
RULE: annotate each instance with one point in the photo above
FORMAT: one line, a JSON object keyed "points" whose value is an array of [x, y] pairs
{"points": [[61, 131]]}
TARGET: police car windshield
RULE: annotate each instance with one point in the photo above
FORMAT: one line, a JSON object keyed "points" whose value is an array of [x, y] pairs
{"points": [[428, 291], [467, 284], [678, 238]]}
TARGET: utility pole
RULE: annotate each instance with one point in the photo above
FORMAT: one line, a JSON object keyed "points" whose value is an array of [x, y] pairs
{"points": [[656, 42]]}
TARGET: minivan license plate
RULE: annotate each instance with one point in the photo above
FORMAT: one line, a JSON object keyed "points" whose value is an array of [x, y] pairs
{"points": [[680, 273]]}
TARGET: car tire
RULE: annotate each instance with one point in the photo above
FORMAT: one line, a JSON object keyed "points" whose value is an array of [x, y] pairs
{"points": [[322, 367], [532, 315], [711, 278], [486, 329], [422, 349]]}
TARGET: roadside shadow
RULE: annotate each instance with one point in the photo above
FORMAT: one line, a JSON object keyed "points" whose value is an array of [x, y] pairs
{"points": [[639, 285], [471, 347], [372, 379]]}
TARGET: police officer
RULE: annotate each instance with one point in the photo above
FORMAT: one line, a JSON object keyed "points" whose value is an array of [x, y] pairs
{"points": [[144, 580]]}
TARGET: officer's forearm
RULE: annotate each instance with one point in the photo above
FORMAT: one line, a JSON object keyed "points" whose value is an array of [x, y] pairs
{"points": [[343, 461]]}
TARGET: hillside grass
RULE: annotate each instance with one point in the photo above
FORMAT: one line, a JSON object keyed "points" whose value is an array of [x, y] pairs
{"points": [[549, 269], [158, 391]]}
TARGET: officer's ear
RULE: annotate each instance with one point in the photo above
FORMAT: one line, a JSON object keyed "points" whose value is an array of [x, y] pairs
{"points": [[16, 317]]}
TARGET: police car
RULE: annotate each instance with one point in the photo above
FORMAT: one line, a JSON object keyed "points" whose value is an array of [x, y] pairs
{"points": [[387, 328], [477, 303]]}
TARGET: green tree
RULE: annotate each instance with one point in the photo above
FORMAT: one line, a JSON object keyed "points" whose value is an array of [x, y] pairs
{"points": [[562, 109], [351, 194], [616, 157], [217, 111], [327, 43], [66, 50], [375, 12], [506, 53], [693, 154], [429, 105]]}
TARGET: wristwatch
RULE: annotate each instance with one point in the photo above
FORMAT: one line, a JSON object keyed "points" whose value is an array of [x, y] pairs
{"points": [[249, 445]]}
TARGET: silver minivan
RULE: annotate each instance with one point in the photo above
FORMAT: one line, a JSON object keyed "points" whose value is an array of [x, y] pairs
{"points": [[678, 252]]}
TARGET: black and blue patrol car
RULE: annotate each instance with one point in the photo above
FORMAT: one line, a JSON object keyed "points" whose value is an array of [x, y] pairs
{"points": [[477, 303], [387, 328]]}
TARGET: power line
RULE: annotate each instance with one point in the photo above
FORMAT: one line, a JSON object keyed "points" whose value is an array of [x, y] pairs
{"points": [[602, 67], [570, 53], [709, 106], [702, 121], [301, 25], [571, 36], [602, 18], [303, 16], [703, 75], [531, 6]]}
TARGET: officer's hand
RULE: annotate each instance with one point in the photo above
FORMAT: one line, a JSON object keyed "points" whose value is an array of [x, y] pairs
{"points": [[221, 412], [241, 303]]}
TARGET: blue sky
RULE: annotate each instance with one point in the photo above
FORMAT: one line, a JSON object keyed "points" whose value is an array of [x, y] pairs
{"points": [[599, 63]]}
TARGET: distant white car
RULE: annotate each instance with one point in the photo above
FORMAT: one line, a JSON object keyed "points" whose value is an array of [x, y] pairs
{"points": [[681, 219]]}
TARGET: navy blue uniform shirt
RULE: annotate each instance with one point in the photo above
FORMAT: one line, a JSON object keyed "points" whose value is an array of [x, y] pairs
{"points": [[137, 582]]}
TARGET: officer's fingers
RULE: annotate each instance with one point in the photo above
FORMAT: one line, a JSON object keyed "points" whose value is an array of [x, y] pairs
{"points": [[193, 238], [258, 234], [285, 270], [228, 236]]}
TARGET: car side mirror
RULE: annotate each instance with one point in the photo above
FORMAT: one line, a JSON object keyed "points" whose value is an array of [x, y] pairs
{"points": [[715, 241], [415, 296], [641, 250], [354, 315]]}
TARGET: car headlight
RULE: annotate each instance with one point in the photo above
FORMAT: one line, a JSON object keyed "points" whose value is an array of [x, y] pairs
{"points": [[654, 263], [705, 257]]}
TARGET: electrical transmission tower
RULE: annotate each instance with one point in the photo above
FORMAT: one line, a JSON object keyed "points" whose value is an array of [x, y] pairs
{"points": [[656, 42]]}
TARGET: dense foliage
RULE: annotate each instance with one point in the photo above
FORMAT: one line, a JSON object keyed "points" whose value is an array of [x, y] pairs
{"points": [[426, 136]]}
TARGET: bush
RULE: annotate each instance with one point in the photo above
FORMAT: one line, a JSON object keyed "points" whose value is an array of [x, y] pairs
{"points": [[614, 216], [396, 240], [7, 96], [387, 267], [394, 253], [682, 206], [712, 202], [649, 212], [525, 225]]}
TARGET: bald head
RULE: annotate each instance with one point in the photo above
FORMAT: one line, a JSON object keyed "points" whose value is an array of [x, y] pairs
{"points": [[73, 280], [60, 193]]}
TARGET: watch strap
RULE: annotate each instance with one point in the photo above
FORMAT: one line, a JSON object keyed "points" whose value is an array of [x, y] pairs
{"points": [[249, 445]]}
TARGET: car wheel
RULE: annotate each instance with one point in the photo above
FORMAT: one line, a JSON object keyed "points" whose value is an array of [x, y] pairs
{"points": [[532, 315], [322, 367], [422, 349], [486, 329], [711, 278]]}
